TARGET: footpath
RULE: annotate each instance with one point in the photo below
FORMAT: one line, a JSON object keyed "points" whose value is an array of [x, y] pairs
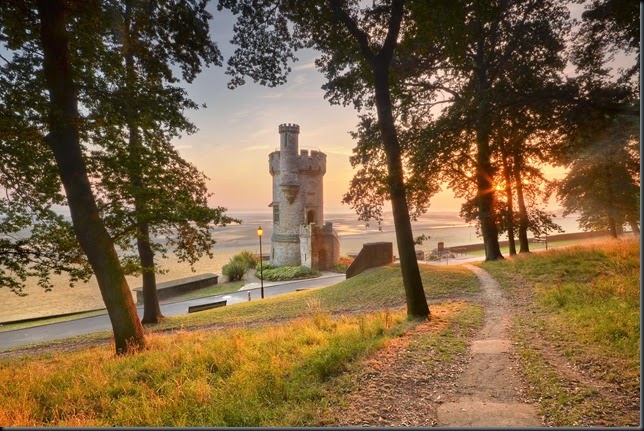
{"points": [[489, 393]]}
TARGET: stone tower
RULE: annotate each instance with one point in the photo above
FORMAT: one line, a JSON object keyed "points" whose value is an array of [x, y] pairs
{"points": [[299, 236]]}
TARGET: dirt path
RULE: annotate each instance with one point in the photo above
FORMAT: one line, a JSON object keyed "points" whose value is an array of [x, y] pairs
{"points": [[489, 388], [477, 389]]}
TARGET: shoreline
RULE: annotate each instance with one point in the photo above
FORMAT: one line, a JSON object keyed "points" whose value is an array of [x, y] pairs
{"points": [[232, 239]]}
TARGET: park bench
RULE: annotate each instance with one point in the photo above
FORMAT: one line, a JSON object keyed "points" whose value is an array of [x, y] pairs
{"points": [[207, 306], [541, 240]]}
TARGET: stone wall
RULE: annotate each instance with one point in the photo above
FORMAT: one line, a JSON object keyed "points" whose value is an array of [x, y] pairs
{"points": [[372, 255]]}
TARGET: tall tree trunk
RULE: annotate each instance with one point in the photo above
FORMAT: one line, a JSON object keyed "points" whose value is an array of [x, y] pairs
{"points": [[414, 292], [524, 246], [380, 62], [508, 195], [485, 198], [484, 172], [151, 306], [63, 139]]}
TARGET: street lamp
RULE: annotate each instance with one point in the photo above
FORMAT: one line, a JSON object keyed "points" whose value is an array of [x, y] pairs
{"points": [[260, 232]]}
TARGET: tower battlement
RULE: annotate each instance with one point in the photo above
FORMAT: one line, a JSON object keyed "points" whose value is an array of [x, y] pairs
{"points": [[274, 162], [313, 163], [289, 128]]}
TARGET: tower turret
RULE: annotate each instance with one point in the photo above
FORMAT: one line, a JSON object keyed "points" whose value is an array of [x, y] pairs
{"points": [[289, 183]]}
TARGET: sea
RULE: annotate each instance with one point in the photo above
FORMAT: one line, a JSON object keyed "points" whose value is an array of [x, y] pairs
{"points": [[439, 226]]}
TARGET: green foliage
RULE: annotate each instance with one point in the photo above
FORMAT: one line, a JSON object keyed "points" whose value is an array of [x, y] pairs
{"points": [[356, 45], [35, 241], [235, 269], [248, 258], [285, 273], [343, 263], [125, 58], [603, 184]]}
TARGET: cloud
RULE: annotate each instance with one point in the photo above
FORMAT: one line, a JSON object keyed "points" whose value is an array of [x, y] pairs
{"points": [[272, 95], [304, 66]]}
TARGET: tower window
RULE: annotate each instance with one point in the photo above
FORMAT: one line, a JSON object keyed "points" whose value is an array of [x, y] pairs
{"points": [[310, 217], [276, 213]]}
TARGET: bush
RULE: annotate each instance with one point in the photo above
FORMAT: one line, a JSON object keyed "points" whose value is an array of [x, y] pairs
{"points": [[235, 269], [285, 273], [248, 258]]}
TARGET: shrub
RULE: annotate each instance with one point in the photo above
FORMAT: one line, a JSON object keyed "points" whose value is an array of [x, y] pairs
{"points": [[285, 273], [247, 258], [235, 269]]}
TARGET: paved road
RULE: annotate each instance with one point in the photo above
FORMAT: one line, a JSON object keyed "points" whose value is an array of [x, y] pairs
{"points": [[89, 325]]}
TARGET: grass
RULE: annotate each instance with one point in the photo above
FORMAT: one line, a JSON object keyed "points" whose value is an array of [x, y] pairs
{"points": [[586, 309], [374, 289], [505, 250], [217, 289], [276, 374]]}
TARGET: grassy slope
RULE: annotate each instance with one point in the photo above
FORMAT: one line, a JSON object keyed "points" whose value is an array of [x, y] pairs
{"points": [[582, 308], [278, 374]]}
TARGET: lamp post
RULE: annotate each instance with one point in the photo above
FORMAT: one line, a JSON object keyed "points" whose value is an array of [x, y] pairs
{"points": [[260, 232]]}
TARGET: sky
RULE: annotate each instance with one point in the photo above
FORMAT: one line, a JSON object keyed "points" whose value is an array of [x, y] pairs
{"points": [[239, 129]]}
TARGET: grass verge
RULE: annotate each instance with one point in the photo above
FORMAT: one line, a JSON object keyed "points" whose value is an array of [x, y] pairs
{"points": [[374, 289], [280, 373], [579, 334]]}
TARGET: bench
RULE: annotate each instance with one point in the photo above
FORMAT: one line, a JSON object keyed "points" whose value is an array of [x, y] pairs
{"points": [[207, 306], [540, 240]]}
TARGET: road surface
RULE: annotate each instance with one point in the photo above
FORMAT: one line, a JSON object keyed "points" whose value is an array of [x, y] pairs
{"points": [[87, 325]]}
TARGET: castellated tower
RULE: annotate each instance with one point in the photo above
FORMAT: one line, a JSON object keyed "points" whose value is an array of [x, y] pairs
{"points": [[299, 236]]}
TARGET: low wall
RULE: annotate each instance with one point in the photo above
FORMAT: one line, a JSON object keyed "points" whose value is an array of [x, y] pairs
{"points": [[168, 289], [372, 255]]}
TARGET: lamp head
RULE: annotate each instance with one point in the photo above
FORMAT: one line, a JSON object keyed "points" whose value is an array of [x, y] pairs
{"points": [[260, 231]]}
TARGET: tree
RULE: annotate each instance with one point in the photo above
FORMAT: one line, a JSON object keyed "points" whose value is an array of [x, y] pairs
{"points": [[63, 139], [601, 122], [480, 60], [354, 42], [603, 184], [145, 188], [608, 27], [508, 53], [35, 241]]}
